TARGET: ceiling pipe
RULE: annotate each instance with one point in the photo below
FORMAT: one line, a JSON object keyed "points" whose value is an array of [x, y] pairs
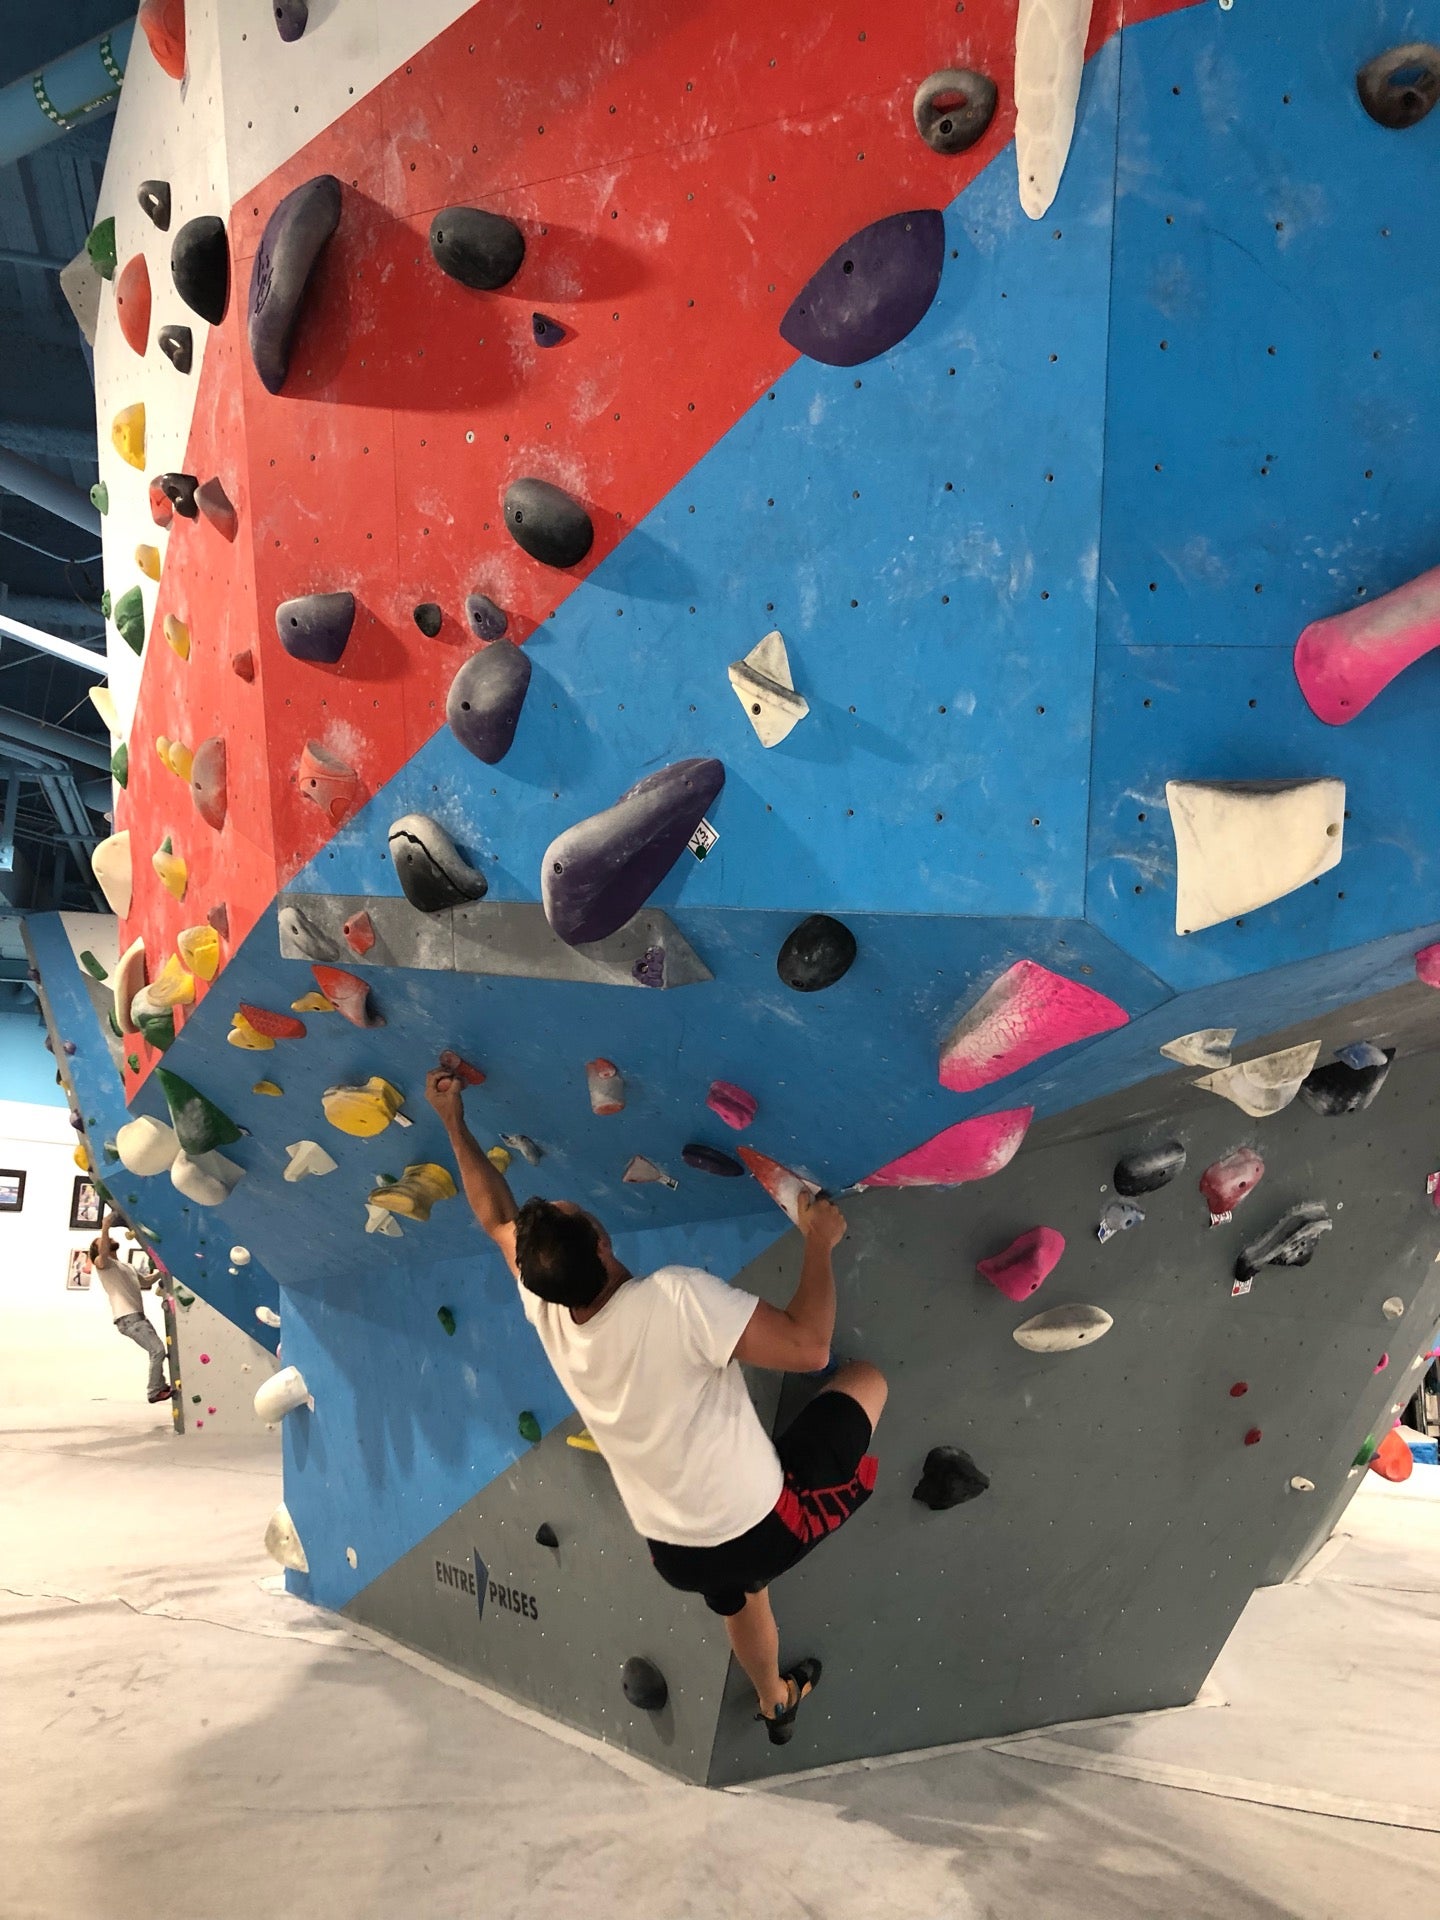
{"points": [[57, 740], [45, 489], [51, 643], [64, 93]]}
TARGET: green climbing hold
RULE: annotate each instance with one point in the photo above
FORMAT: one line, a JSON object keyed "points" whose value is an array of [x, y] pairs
{"points": [[130, 619], [132, 1060], [194, 1399], [114, 1023], [92, 966], [1362, 1458], [100, 245], [199, 1124], [100, 497], [158, 1028], [446, 1318], [120, 765], [105, 603], [529, 1428], [185, 1299]]}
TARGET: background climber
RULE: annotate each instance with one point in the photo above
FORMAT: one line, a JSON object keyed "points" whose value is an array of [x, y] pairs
{"points": [[122, 1291], [650, 1364]]}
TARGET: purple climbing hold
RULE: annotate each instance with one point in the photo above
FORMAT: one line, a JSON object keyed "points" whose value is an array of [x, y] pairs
{"points": [[294, 236], [599, 872], [486, 695], [548, 332], [479, 249], [487, 621], [649, 969], [200, 267], [291, 18], [178, 346], [871, 292], [316, 626], [711, 1160], [544, 521]]}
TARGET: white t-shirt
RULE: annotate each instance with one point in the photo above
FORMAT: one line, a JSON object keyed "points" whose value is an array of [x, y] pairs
{"points": [[122, 1288], [653, 1379]]}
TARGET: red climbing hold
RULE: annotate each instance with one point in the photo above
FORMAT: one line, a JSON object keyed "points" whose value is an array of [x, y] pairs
{"points": [[1228, 1181], [733, 1104], [606, 1087], [326, 779], [1392, 1459], [970, 1150], [132, 302], [275, 1026], [1025, 1263], [1427, 966], [452, 1063], [214, 503], [1344, 661], [162, 507], [349, 994], [1253, 1437], [359, 932], [783, 1186], [1026, 1013], [242, 664], [163, 24], [1240, 1387]]}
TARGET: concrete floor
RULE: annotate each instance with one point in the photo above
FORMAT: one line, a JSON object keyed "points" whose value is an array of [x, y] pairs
{"points": [[180, 1739]]}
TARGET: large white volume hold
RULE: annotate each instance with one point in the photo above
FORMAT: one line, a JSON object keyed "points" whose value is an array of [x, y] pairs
{"points": [[765, 688], [1262, 1087], [282, 1542], [146, 1146], [1049, 62], [110, 863], [282, 1393], [1063, 1329], [206, 1178], [308, 1160], [1240, 845]]}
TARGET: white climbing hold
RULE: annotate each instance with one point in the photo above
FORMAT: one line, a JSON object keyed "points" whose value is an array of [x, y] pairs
{"points": [[1062, 1329], [766, 690], [640, 1172], [240, 1256], [281, 1394], [1393, 1308], [282, 1542], [1262, 1087], [1301, 1485], [126, 983], [381, 1220], [206, 1178], [111, 865], [307, 1158], [1049, 62], [146, 1146], [352, 1556], [1206, 1047], [1239, 845], [267, 1316]]}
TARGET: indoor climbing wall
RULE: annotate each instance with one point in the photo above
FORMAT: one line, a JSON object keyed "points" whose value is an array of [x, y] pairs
{"points": [[837, 606]]}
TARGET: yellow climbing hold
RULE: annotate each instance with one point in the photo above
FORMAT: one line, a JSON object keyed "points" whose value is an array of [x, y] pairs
{"points": [[312, 1003], [174, 874], [242, 1034], [415, 1192], [363, 1111], [581, 1440], [267, 1086], [127, 434], [81, 1156], [181, 760], [147, 559], [499, 1158], [174, 986], [199, 948], [178, 635], [103, 702]]}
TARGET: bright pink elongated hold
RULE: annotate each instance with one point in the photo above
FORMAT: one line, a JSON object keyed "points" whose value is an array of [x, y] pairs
{"points": [[1019, 1270], [1427, 966], [1228, 1181], [1342, 662], [1027, 1012], [735, 1106], [783, 1186], [970, 1150]]}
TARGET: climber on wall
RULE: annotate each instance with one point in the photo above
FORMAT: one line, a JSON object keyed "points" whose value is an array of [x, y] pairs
{"points": [[122, 1292], [650, 1364]]}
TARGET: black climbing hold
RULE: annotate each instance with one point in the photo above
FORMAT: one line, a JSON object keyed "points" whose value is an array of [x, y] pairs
{"points": [[294, 237], [478, 249], [954, 108], [644, 1684], [816, 954], [178, 346], [1398, 88], [154, 198], [547, 523], [433, 873], [429, 618], [316, 626], [1337, 1088], [179, 490], [485, 699], [546, 1536], [291, 18], [1148, 1168], [487, 621], [711, 1160], [1291, 1242], [446, 1317], [200, 267], [548, 332], [871, 292], [948, 1479]]}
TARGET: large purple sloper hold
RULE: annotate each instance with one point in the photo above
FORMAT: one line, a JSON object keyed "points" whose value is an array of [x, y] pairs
{"points": [[284, 261], [485, 699], [316, 626], [601, 871], [871, 292]]}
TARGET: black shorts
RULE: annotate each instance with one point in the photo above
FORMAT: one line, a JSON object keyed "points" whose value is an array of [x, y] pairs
{"points": [[828, 1474]]}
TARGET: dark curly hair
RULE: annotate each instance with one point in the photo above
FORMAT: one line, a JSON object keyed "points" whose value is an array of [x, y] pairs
{"points": [[558, 1254]]}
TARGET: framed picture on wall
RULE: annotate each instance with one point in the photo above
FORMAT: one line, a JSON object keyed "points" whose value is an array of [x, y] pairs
{"points": [[77, 1273], [84, 1205], [12, 1189]]}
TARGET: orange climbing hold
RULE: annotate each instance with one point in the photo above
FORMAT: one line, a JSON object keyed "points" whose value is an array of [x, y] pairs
{"points": [[242, 664], [468, 1076], [349, 994], [163, 24], [132, 302], [783, 1186], [359, 932], [1392, 1459], [275, 1026]]}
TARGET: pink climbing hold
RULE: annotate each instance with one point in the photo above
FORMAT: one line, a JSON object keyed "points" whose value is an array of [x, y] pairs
{"points": [[210, 1409], [1344, 661], [783, 1186], [1427, 966], [1025, 1263], [970, 1150], [1229, 1180], [1026, 1013], [733, 1104], [204, 1359], [359, 932], [1381, 1364], [606, 1086]]}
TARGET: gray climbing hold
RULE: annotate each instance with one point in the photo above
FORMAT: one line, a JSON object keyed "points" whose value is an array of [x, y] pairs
{"points": [[522, 1144], [200, 267], [294, 237], [479, 249], [954, 108], [486, 695], [1340, 1088], [549, 525], [429, 618], [487, 621], [816, 954], [316, 626], [1399, 87], [873, 290], [948, 1479], [1148, 1168], [711, 1160], [644, 1685], [154, 198], [291, 18], [433, 873], [300, 938], [1119, 1216], [178, 346], [1291, 1242], [1362, 1053], [765, 688], [599, 872], [1207, 1047]]}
